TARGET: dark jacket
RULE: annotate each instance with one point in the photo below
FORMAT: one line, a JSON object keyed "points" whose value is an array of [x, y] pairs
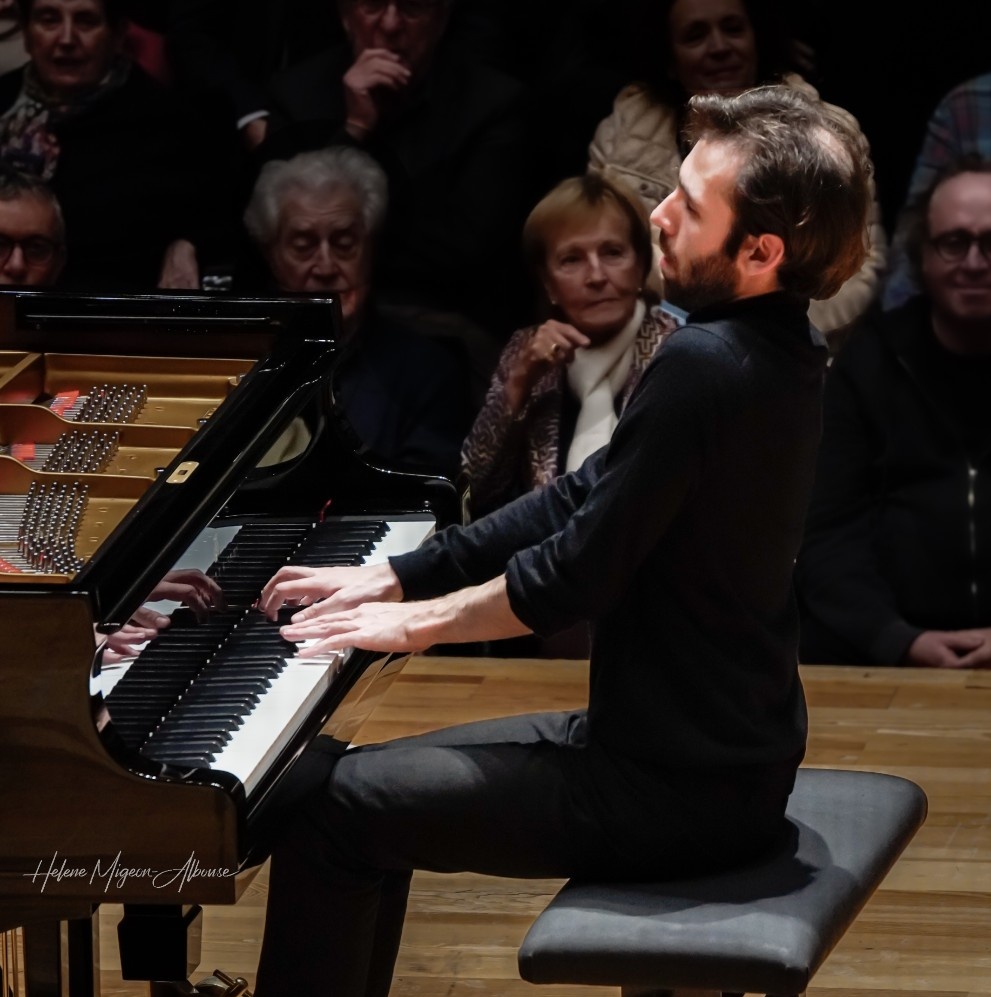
{"points": [[405, 396], [899, 532], [677, 542]]}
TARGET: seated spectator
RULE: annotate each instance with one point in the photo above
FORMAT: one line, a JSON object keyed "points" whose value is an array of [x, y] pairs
{"points": [[561, 384], [448, 132], [960, 125], [714, 46], [896, 563], [315, 219], [32, 235], [137, 175]]}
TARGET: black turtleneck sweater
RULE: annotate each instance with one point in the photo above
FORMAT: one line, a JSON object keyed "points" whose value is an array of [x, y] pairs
{"points": [[677, 541]]}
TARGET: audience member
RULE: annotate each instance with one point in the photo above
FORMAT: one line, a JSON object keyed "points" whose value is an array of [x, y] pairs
{"points": [[315, 219], [138, 177], [896, 563], [234, 47], [32, 234], [561, 384], [960, 125], [449, 134], [714, 46]]}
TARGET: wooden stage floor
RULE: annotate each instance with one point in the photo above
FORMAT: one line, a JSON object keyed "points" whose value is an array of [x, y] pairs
{"points": [[926, 931]]}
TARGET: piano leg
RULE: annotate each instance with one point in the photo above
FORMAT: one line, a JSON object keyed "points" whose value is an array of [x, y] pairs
{"points": [[61, 958], [160, 942]]}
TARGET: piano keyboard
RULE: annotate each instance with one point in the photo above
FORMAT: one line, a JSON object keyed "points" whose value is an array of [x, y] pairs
{"points": [[228, 694]]}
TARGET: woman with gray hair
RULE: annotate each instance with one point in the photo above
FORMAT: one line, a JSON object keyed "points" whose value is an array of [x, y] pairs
{"points": [[314, 219]]}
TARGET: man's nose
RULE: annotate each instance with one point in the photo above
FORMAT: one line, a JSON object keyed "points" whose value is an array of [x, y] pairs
{"points": [[391, 20], [325, 261], [15, 266], [660, 217], [66, 31], [975, 258]]}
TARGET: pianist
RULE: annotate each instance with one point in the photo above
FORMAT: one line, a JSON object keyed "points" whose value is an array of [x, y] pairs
{"points": [[676, 541]]}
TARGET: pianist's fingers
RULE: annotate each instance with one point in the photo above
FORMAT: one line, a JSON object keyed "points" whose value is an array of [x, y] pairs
{"points": [[340, 588], [374, 626]]}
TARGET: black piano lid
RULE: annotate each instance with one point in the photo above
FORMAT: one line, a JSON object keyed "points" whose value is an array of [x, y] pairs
{"points": [[294, 339]]}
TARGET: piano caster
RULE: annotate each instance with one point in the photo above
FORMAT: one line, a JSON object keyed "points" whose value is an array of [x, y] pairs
{"points": [[222, 985]]}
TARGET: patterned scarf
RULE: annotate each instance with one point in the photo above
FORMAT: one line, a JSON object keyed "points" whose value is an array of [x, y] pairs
{"points": [[27, 136]]}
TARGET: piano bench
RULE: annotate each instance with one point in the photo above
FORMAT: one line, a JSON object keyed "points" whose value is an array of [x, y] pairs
{"points": [[765, 928]]}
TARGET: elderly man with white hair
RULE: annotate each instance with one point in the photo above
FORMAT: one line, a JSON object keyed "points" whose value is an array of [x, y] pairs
{"points": [[314, 218]]}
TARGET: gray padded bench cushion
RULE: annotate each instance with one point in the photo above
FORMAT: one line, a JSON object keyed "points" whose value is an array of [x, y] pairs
{"points": [[765, 928]]}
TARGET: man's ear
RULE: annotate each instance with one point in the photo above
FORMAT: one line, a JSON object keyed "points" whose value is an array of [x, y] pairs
{"points": [[762, 254]]}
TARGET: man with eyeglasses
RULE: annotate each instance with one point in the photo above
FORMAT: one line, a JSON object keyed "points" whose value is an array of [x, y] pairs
{"points": [[449, 133], [32, 235], [896, 564]]}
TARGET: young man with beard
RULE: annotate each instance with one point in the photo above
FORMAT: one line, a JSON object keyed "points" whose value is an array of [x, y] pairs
{"points": [[676, 542]]}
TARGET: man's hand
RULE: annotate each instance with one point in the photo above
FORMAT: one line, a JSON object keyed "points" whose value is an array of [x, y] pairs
{"points": [[180, 268], [254, 133], [376, 77], [951, 649], [481, 612], [374, 626], [339, 588]]}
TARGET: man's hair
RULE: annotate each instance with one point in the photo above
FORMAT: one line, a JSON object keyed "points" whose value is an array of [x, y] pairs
{"points": [[578, 199], [805, 176], [320, 172], [917, 215], [15, 184], [115, 11]]}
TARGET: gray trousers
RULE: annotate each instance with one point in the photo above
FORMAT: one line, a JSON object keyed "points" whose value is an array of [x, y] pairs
{"points": [[526, 797]]}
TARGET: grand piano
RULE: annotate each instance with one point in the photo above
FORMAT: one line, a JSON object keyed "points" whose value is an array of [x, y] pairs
{"points": [[142, 435]]}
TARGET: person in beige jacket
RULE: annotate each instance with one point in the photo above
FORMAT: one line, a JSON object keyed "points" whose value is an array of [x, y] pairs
{"points": [[715, 46]]}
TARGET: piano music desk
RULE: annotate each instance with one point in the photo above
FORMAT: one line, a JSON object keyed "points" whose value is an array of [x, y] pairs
{"points": [[926, 931]]}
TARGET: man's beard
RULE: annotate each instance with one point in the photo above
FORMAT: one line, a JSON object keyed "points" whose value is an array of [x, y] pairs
{"points": [[709, 281]]}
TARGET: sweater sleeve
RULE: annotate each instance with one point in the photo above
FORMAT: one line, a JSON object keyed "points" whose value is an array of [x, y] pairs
{"points": [[461, 556], [642, 480]]}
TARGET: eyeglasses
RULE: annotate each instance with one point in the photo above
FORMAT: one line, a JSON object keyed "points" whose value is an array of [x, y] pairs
{"points": [[954, 246], [412, 10], [36, 250]]}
